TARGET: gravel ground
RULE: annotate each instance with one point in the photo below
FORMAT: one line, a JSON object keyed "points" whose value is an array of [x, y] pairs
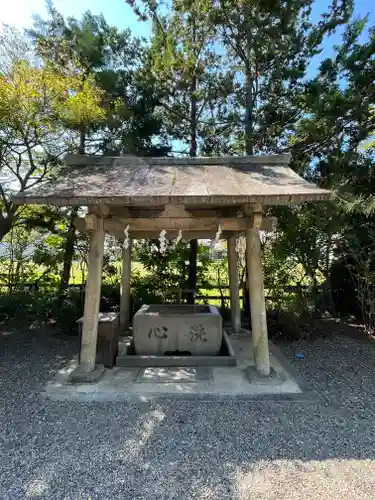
{"points": [[186, 450]]}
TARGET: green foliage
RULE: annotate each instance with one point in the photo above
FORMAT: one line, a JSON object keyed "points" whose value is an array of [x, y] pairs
{"points": [[166, 273], [111, 108], [36, 104], [216, 78], [191, 74], [117, 62], [40, 98], [25, 305], [268, 46], [327, 148]]}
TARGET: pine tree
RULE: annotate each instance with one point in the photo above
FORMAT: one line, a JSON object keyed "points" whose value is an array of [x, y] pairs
{"points": [[194, 86], [270, 45], [327, 145], [116, 60]]}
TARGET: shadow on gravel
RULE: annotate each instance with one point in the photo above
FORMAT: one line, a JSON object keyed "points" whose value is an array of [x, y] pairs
{"points": [[181, 449]]}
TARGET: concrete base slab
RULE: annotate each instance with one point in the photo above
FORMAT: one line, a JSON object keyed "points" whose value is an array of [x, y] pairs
{"points": [[79, 376], [218, 383], [180, 375]]}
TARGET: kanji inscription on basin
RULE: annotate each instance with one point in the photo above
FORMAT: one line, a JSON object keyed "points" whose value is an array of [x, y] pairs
{"points": [[198, 333], [159, 332]]}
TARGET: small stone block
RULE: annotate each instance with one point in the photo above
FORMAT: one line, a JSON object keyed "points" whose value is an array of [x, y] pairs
{"points": [[256, 378], [79, 376]]}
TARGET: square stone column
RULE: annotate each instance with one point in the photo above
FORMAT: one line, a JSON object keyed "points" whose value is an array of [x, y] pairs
{"points": [[235, 309], [125, 286], [257, 301], [87, 370]]}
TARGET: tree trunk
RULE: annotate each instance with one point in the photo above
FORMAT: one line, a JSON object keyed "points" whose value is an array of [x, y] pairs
{"points": [[193, 119], [5, 225], [249, 151], [82, 140], [68, 252], [71, 234], [249, 116], [329, 302], [192, 279]]}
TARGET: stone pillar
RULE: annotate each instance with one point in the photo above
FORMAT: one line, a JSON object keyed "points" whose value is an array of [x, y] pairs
{"points": [[235, 310], [125, 287], [92, 298], [257, 301]]}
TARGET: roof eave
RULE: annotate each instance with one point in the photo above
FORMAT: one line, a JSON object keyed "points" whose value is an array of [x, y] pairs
{"points": [[272, 199]]}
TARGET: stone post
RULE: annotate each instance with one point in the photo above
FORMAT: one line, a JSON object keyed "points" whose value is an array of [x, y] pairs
{"points": [[125, 287], [235, 309], [87, 370], [257, 301]]}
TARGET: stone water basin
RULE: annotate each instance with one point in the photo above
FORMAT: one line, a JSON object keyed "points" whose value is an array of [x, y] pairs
{"points": [[165, 329]]}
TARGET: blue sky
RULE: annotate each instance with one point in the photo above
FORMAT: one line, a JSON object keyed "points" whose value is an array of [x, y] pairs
{"points": [[19, 13]]}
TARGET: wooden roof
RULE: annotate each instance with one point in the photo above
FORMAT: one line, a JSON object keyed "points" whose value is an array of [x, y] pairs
{"points": [[134, 181]]}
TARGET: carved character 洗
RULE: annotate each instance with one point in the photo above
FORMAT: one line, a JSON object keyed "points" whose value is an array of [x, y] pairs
{"points": [[198, 333]]}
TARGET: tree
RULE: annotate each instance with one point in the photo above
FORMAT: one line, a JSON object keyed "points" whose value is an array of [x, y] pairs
{"points": [[187, 67], [336, 118], [270, 45], [36, 101], [100, 53]]}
